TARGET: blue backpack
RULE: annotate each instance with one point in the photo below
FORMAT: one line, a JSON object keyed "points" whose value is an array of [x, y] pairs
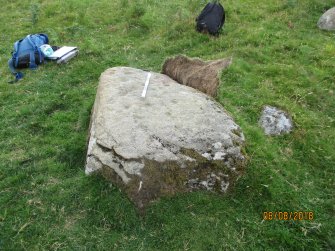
{"points": [[27, 53]]}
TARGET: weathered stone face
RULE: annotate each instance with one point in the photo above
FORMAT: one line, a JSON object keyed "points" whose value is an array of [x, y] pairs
{"points": [[176, 139], [327, 20]]}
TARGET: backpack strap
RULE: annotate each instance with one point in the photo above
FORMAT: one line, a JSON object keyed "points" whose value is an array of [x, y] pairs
{"points": [[32, 63], [18, 75], [13, 62], [16, 50], [46, 38]]}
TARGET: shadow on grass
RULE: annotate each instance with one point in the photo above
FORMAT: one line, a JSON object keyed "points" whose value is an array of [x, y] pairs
{"points": [[74, 152], [107, 205]]}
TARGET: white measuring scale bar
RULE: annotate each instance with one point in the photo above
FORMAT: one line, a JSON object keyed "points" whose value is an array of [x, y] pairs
{"points": [[144, 92]]}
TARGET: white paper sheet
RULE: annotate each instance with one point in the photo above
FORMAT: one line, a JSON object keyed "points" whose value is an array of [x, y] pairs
{"points": [[61, 52]]}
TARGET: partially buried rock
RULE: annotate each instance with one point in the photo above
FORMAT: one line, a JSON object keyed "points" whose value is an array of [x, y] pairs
{"points": [[193, 72], [327, 20], [275, 121], [176, 139]]}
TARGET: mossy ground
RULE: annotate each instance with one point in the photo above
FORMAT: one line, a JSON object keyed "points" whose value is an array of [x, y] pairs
{"points": [[280, 58]]}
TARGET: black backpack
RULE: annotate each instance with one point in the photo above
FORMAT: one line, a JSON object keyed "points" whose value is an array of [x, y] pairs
{"points": [[211, 18]]}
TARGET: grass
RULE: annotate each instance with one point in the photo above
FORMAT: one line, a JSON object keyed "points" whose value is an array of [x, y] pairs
{"points": [[280, 58]]}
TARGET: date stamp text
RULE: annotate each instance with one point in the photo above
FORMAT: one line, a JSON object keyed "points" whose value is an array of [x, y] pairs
{"points": [[287, 216]]}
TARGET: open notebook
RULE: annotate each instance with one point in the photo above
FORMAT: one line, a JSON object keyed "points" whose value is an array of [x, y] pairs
{"points": [[65, 52]]}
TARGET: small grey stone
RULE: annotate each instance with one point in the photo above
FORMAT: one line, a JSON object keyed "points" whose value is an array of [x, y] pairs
{"points": [[275, 121], [327, 20]]}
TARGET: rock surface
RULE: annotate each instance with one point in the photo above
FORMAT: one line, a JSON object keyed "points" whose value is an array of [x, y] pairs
{"points": [[275, 121], [176, 139], [327, 20], [193, 72]]}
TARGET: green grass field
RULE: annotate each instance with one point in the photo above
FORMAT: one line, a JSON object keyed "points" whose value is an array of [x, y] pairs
{"points": [[280, 58]]}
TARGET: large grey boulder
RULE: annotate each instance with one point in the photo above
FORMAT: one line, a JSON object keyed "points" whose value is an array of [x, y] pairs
{"points": [[327, 20], [176, 139]]}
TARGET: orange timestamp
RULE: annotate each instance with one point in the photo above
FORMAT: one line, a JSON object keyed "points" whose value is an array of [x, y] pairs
{"points": [[300, 215]]}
